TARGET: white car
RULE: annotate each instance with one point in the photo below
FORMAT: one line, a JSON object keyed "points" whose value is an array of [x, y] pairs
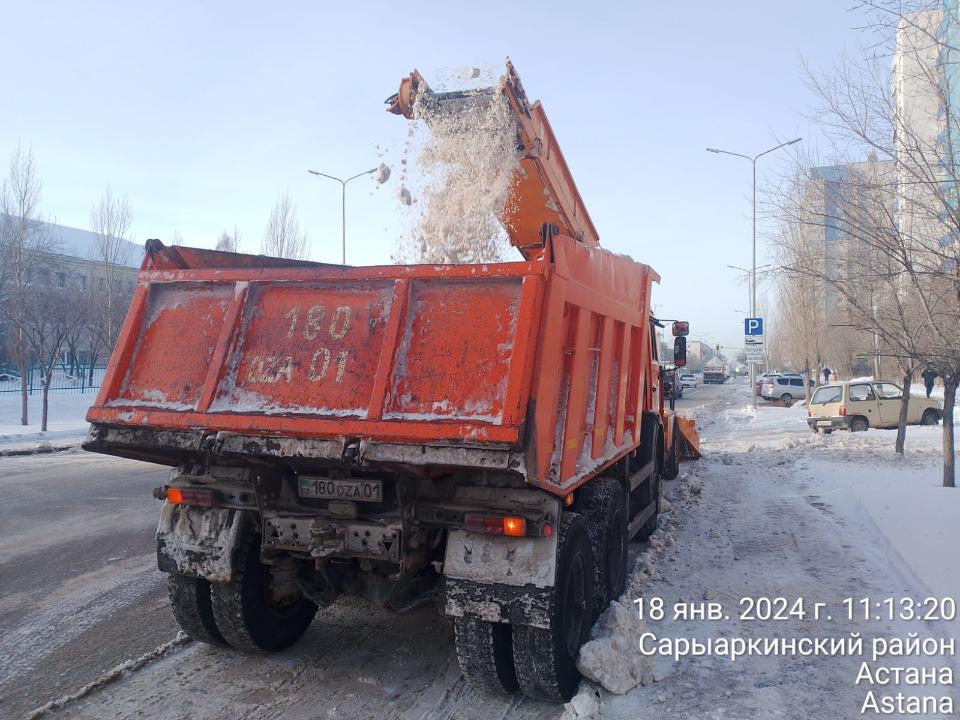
{"points": [[688, 380], [786, 387]]}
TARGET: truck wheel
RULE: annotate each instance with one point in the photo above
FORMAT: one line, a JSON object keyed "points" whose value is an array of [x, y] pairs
{"points": [[671, 460], [485, 654], [604, 505], [930, 417], [653, 495], [546, 658], [192, 608], [248, 614]]}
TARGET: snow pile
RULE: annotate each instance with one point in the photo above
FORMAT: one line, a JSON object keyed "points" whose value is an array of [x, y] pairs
{"points": [[613, 658], [585, 705], [467, 168]]}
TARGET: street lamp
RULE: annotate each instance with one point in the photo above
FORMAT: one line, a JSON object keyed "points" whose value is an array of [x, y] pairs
{"points": [[343, 202], [753, 274], [747, 273]]}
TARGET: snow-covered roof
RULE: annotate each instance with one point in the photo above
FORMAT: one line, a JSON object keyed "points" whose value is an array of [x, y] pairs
{"points": [[77, 243], [74, 242]]}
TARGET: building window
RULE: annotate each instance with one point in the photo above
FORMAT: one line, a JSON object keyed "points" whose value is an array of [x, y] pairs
{"points": [[103, 284], [83, 282], [61, 279]]}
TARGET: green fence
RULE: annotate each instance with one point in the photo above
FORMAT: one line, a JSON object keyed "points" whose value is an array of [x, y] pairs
{"points": [[76, 378]]}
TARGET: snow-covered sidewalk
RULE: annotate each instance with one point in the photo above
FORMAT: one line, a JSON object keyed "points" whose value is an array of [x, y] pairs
{"points": [[774, 510], [65, 422]]}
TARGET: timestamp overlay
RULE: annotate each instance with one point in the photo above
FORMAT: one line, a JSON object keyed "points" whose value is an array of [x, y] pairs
{"points": [[897, 653]]}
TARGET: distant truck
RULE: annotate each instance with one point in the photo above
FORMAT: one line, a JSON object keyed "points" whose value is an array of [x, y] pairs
{"points": [[715, 371], [486, 438]]}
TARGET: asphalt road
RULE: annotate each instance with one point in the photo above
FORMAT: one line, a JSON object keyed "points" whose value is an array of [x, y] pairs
{"points": [[701, 395], [79, 587]]}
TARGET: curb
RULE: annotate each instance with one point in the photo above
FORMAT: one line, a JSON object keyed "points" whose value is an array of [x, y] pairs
{"points": [[39, 449]]}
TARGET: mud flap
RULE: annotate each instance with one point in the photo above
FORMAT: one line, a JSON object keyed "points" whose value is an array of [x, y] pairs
{"points": [[199, 542], [499, 579]]}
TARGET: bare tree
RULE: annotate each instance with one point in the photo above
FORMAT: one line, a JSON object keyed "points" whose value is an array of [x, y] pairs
{"points": [[904, 115], [228, 242], [841, 227], [51, 314], [25, 242], [107, 297], [283, 237]]}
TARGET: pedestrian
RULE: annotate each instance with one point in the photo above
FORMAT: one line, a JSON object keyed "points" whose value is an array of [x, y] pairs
{"points": [[826, 375], [928, 375]]}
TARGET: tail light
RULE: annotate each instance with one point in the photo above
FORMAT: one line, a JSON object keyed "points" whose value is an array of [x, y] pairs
{"points": [[191, 496], [843, 411], [510, 525], [809, 412]]}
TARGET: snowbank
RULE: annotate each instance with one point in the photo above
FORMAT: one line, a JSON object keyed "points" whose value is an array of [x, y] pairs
{"points": [[65, 423], [612, 658]]}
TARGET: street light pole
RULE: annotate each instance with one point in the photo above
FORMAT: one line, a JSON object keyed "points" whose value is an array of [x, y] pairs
{"points": [[753, 273], [343, 204]]}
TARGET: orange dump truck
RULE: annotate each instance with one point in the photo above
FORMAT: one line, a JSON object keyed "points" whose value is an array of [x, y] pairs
{"points": [[484, 437]]}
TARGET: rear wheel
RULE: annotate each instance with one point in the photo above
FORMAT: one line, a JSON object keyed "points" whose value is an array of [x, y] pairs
{"points": [[859, 424], [604, 505], [787, 399], [262, 609], [192, 608], [546, 658], [930, 417], [485, 654]]}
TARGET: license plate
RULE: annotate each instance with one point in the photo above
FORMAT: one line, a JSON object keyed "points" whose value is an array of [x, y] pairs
{"points": [[824, 423], [327, 489]]}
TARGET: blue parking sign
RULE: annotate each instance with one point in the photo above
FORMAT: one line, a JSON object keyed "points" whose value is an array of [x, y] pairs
{"points": [[753, 326]]}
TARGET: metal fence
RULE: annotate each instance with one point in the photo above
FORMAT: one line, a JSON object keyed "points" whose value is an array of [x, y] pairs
{"points": [[66, 379]]}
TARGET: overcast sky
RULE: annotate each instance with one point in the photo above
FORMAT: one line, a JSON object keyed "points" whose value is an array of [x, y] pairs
{"points": [[203, 112]]}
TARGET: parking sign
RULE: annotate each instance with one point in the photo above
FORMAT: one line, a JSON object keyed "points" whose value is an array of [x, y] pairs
{"points": [[753, 326]]}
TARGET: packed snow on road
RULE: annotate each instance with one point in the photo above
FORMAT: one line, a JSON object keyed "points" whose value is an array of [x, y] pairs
{"points": [[771, 511]]}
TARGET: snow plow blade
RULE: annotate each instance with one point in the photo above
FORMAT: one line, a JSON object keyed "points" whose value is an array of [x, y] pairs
{"points": [[690, 448]]}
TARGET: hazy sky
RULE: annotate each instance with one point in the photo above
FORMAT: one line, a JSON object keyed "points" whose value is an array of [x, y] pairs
{"points": [[203, 112]]}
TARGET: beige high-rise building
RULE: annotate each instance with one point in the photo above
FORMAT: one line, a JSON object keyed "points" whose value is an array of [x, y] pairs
{"points": [[919, 127]]}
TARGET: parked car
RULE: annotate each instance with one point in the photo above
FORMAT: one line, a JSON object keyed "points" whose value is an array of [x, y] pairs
{"points": [[763, 378], [858, 405], [8, 377], [688, 380], [784, 387]]}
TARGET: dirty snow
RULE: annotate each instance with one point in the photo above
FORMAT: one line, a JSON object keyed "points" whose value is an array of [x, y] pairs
{"points": [[772, 509], [458, 170]]}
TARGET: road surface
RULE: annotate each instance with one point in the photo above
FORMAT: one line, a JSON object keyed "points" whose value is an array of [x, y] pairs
{"points": [[80, 594]]}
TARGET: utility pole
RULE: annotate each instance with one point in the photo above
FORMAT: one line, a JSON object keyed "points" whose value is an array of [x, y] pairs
{"points": [[753, 273], [343, 204]]}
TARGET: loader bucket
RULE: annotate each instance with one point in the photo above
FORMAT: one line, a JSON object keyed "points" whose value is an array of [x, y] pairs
{"points": [[690, 448]]}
